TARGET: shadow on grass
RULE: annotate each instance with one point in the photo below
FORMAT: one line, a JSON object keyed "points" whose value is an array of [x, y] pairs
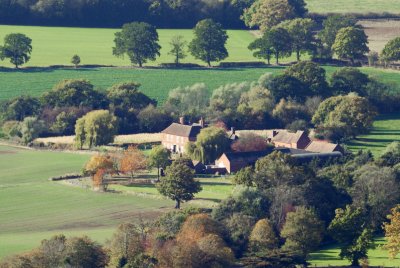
{"points": [[208, 199], [214, 183]]}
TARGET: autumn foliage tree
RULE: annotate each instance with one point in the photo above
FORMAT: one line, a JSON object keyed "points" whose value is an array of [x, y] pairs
{"points": [[132, 161], [263, 237], [392, 232], [98, 166]]}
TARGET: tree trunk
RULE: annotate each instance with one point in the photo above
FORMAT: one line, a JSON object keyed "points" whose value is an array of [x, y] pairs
{"points": [[298, 55], [178, 204], [158, 173], [269, 60], [209, 63], [355, 263], [277, 58]]}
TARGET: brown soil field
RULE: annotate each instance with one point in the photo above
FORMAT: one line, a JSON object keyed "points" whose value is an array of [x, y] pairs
{"points": [[380, 32]]}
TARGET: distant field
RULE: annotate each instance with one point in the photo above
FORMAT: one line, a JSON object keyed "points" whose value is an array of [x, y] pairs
{"points": [[386, 129], [155, 82], [380, 32], [33, 208], [329, 256], [354, 6], [56, 45]]}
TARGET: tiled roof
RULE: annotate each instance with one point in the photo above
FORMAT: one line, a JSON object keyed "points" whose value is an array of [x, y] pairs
{"points": [[190, 131], [285, 136], [247, 156], [321, 147]]}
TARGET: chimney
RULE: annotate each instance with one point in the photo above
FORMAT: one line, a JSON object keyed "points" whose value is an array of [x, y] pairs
{"points": [[182, 120], [201, 122]]}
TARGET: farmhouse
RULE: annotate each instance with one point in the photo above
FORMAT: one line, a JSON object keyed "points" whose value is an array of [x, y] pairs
{"points": [[297, 140], [177, 135]]}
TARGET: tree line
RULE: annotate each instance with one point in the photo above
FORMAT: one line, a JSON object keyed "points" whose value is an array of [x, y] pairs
{"points": [[299, 98]]}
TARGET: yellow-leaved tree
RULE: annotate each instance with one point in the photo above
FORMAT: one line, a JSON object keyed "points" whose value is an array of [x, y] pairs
{"points": [[392, 232]]}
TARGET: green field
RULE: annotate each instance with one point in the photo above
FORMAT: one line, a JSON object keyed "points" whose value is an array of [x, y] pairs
{"points": [[56, 45], [33, 208], [155, 82], [354, 6], [386, 129], [329, 256]]}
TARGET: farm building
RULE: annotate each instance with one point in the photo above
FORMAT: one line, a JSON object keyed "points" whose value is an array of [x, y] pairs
{"points": [[177, 135], [324, 147], [235, 161], [297, 140]]}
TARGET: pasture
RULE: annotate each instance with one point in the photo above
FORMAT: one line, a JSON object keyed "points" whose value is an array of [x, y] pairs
{"points": [[329, 256], [57, 45], [386, 129], [353, 6], [34, 208]]}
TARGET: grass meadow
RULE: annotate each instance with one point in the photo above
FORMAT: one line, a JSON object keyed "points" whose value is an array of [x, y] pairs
{"points": [[33, 208], [329, 256], [57, 45], [353, 6], [386, 129]]}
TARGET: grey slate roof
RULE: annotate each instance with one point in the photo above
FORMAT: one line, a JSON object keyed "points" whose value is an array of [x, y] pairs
{"points": [[190, 131]]}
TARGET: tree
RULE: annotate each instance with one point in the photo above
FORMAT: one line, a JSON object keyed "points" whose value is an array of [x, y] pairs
{"points": [[239, 227], [348, 79], [211, 143], [75, 60], [189, 101], [244, 177], [331, 27], [159, 158], [139, 40], [153, 119], [248, 201], [133, 160], [284, 86], [126, 100], [289, 112], [312, 75], [17, 47], [391, 51], [19, 108], [345, 116], [31, 128], [263, 237], [263, 47], [375, 189], [392, 232], [249, 142], [76, 93], [351, 230], [178, 184], [391, 154], [266, 14], [350, 43], [303, 231], [281, 42], [209, 42], [178, 48], [83, 252], [301, 33], [98, 166], [95, 128]]}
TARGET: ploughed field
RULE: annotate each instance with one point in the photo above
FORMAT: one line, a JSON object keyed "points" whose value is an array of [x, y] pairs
{"points": [[34, 208], [354, 6]]}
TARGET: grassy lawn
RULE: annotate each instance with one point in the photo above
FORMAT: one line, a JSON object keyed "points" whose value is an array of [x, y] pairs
{"points": [[329, 256], [353, 6], [386, 129]]}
